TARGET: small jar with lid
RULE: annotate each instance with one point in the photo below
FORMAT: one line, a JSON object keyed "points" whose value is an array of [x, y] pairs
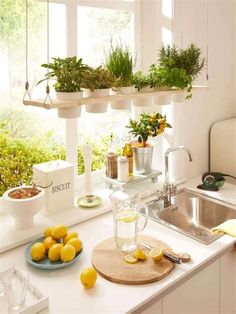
{"points": [[123, 169]]}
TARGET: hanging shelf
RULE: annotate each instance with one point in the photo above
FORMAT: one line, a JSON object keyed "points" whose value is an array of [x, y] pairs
{"points": [[58, 104]]}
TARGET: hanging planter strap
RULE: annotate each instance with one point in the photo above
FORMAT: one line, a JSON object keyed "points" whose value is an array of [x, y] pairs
{"points": [[27, 93], [47, 86]]}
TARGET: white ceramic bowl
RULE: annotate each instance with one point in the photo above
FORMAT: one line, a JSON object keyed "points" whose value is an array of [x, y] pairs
{"points": [[23, 210]]}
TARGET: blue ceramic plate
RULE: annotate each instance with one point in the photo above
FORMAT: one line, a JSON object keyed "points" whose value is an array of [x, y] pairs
{"points": [[45, 262]]}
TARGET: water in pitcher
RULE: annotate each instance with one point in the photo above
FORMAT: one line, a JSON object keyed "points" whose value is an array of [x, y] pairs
{"points": [[126, 229]]}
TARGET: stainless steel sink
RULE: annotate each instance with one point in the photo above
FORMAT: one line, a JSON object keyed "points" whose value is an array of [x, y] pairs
{"points": [[193, 215]]}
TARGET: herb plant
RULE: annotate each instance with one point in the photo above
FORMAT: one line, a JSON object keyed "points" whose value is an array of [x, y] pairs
{"points": [[67, 72], [188, 59], [120, 63], [149, 125], [140, 80], [98, 78]]}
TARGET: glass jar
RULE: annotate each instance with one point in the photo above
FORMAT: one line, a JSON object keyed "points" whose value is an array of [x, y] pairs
{"points": [[123, 169]]}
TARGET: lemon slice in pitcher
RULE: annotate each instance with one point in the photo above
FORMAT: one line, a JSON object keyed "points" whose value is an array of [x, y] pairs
{"points": [[127, 216]]}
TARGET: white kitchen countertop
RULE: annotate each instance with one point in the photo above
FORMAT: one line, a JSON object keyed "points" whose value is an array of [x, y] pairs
{"points": [[66, 294]]}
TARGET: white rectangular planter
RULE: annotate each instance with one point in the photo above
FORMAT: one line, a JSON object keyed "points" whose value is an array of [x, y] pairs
{"points": [[59, 196]]}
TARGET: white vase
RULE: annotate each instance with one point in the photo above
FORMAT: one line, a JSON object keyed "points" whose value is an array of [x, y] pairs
{"points": [[124, 104], [178, 97], [23, 210], [161, 99], [144, 100], [99, 107], [72, 111]]}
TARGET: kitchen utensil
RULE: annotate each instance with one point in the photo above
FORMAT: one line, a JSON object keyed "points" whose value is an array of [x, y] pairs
{"points": [[168, 256], [109, 262], [171, 255]]}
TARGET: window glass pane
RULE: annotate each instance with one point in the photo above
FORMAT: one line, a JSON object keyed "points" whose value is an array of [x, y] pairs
{"points": [[98, 27], [27, 129]]}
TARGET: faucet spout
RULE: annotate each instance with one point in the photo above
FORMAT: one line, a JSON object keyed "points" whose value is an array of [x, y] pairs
{"points": [[174, 149]]}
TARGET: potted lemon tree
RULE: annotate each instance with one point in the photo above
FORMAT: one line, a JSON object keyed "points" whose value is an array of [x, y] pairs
{"points": [[148, 125]]}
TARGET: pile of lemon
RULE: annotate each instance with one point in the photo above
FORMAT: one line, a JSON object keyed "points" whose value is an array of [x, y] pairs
{"points": [[58, 245]]}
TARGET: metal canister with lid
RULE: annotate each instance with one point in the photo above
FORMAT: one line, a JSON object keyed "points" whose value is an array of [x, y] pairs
{"points": [[123, 169]]}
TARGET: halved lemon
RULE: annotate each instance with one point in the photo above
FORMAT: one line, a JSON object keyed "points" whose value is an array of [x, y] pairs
{"points": [[139, 254], [156, 253], [130, 259]]}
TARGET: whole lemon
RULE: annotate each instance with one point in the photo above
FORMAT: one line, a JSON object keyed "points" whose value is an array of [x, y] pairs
{"points": [[76, 243], [88, 277], [67, 253], [48, 231], [48, 242], [37, 251], [54, 252], [59, 231], [70, 235]]}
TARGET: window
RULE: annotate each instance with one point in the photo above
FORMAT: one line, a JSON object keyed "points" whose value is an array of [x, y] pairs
{"points": [[85, 28]]}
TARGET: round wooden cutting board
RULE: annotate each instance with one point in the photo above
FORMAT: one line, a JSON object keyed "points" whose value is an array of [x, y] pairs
{"points": [[110, 264]]}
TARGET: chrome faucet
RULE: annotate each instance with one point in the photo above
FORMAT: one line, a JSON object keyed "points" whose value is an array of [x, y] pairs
{"points": [[170, 189]]}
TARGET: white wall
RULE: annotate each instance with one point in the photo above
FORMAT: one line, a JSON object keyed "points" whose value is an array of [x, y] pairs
{"points": [[192, 120]]}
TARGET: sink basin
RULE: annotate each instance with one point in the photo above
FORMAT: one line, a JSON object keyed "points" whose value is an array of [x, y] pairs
{"points": [[193, 214]]}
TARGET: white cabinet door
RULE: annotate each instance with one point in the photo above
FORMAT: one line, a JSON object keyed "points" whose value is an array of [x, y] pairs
{"points": [[198, 295], [228, 283]]}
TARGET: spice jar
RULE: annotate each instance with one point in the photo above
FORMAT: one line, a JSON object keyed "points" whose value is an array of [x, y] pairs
{"points": [[123, 169], [111, 165]]}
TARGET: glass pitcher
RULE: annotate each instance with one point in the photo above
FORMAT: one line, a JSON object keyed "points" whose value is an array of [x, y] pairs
{"points": [[127, 221]]}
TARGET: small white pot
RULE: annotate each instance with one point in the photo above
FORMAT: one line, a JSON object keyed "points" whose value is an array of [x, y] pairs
{"points": [[178, 97], [69, 112], [70, 96], [162, 99], [144, 100], [23, 210], [99, 107], [123, 104]]}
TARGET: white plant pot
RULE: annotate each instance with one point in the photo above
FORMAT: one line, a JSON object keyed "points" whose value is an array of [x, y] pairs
{"points": [[178, 97], [73, 111], [99, 107], [162, 99], [144, 101], [23, 210], [122, 104]]}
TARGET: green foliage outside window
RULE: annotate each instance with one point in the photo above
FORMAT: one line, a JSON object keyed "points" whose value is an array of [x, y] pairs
{"points": [[18, 155]]}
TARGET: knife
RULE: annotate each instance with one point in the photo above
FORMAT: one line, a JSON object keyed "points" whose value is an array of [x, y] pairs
{"points": [[168, 256]]}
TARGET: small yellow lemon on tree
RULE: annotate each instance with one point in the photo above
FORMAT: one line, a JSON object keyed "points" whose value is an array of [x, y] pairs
{"points": [[88, 277]]}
